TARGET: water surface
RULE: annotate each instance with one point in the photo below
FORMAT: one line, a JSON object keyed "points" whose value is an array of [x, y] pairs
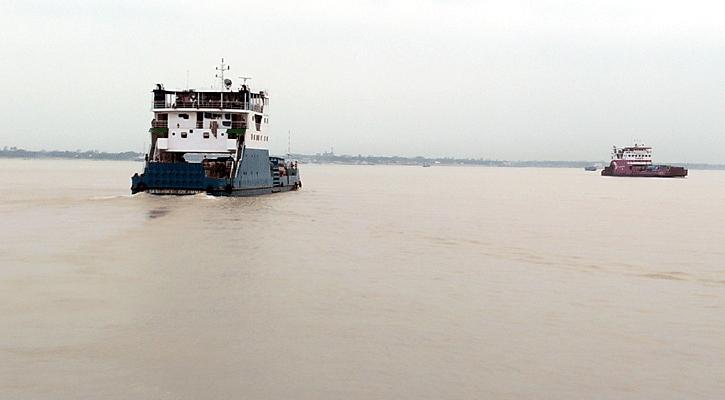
{"points": [[370, 282]]}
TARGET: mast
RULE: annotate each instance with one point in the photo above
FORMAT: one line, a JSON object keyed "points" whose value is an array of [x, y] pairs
{"points": [[221, 70]]}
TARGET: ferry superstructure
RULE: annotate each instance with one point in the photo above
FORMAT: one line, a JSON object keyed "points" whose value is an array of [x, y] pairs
{"points": [[214, 141], [637, 161]]}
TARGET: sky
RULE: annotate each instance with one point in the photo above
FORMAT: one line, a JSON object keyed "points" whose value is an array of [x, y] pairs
{"points": [[500, 80]]}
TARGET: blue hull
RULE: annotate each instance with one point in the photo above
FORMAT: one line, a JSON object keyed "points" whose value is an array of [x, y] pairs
{"points": [[256, 174]]}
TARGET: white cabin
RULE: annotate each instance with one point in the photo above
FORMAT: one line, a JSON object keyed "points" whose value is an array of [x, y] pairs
{"points": [[208, 121], [638, 154]]}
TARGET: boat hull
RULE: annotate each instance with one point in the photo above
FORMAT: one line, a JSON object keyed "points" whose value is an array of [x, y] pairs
{"points": [[625, 168], [257, 174]]}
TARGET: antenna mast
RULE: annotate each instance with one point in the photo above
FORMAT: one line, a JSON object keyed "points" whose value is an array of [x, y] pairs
{"points": [[288, 144], [221, 70]]}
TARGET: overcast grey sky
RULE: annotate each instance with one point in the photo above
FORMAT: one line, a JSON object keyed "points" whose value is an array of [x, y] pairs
{"points": [[515, 80]]}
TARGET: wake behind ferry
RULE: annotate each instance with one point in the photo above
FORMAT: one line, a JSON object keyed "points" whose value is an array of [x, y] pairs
{"points": [[637, 161], [213, 141]]}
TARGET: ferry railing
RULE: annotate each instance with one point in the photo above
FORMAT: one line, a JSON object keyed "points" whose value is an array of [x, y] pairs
{"points": [[234, 105], [159, 124]]}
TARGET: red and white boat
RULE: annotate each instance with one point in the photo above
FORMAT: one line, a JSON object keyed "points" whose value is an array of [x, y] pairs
{"points": [[637, 161]]}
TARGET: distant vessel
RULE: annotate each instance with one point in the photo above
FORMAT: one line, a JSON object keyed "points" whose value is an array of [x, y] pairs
{"points": [[590, 168], [214, 141], [637, 161]]}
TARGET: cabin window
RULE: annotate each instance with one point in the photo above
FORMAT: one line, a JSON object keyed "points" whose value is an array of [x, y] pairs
{"points": [[258, 122], [184, 116], [227, 116], [206, 135], [227, 123], [183, 135], [207, 115]]}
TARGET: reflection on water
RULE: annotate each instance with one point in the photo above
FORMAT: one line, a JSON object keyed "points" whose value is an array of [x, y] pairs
{"points": [[370, 282], [157, 213]]}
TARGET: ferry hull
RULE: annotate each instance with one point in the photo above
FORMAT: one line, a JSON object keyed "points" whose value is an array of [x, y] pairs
{"points": [[625, 168], [236, 192], [257, 174]]}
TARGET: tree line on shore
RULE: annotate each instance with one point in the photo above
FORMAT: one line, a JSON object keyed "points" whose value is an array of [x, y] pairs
{"points": [[14, 152], [327, 158]]}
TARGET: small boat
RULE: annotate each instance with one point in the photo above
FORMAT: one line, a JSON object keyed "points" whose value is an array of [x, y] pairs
{"points": [[590, 168]]}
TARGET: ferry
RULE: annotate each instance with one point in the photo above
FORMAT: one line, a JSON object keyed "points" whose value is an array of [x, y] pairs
{"points": [[637, 161], [213, 141]]}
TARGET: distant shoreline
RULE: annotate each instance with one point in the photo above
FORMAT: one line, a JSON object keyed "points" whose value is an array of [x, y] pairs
{"points": [[328, 158], [74, 155]]}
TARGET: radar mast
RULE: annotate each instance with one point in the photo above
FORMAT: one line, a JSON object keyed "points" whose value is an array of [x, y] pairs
{"points": [[223, 67]]}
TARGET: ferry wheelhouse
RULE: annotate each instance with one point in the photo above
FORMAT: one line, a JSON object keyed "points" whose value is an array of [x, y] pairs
{"points": [[214, 141]]}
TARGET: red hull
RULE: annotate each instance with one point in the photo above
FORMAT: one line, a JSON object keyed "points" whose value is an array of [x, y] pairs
{"points": [[625, 168]]}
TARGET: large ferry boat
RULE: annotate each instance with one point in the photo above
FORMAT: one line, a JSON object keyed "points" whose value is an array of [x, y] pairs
{"points": [[637, 161], [214, 141]]}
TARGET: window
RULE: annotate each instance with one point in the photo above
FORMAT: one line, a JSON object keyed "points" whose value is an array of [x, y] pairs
{"points": [[184, 116], [183, 135], [206, 135]]}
